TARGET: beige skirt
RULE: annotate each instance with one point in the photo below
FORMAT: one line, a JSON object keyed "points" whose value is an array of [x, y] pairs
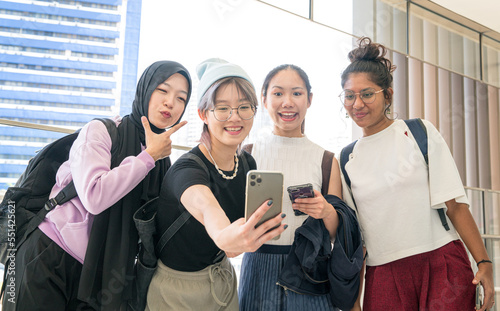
{"points": [[213, 288]]}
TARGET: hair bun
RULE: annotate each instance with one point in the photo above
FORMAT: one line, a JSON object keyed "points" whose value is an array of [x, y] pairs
{"points": [[371, 52]]}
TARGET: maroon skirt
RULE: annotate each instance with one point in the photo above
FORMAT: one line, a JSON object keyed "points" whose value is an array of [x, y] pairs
{"points": [[436, 280]]}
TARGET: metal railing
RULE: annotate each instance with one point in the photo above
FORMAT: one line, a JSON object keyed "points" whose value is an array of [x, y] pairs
{"points": [[58, 129], [484, 206]]}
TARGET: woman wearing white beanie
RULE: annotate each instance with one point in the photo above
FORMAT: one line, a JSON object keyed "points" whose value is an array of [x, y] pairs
{"points": [[193, 271]]}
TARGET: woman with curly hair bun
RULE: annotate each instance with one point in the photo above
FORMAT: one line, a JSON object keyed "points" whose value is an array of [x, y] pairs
{"points": [[413, 262]]}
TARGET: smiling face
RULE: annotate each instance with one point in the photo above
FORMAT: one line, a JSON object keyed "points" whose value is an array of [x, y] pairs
{"points": [[370, 117], [287, 101], [168, 101], [232, 132]]}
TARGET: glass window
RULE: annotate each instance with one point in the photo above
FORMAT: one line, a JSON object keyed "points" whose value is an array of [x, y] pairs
{"points": [[258, 37], [444, 43], [299, 7], [382, 20], [491, 61], [336, 14]]}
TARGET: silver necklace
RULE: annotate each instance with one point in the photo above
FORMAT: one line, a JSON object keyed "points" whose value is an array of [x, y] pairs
{"points": [[219, 170]]}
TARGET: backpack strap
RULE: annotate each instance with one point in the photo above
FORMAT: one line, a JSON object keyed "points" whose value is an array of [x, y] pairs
{"points": [[419, 132], [69, 191], [66, 194], [113, 133], [326, 169], [344, 158]]}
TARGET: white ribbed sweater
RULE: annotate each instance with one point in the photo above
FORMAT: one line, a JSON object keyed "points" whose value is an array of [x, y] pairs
{"points": [[299, 159]]}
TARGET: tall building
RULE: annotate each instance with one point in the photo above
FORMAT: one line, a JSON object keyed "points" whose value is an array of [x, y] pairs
{"points": [[62, 63]]}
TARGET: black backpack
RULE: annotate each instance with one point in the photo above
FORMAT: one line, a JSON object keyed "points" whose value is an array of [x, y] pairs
{"points": [[25, 205], [419, 131]]}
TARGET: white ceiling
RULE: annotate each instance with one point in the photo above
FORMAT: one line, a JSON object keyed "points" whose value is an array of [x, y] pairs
{"points": [[484, 12]]}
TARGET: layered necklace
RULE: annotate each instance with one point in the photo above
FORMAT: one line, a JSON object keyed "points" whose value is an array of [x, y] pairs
{"points": [[219, 170]]}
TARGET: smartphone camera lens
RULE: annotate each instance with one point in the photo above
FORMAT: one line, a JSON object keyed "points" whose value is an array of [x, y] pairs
{"points": [[252, 176], [259, 180], [252, 183]]}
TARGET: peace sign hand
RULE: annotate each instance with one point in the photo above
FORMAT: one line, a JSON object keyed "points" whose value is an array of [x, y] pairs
{"points": [[159, 146]]}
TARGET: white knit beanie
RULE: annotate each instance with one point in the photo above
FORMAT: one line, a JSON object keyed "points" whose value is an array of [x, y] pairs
{"points": [[214, 69]]}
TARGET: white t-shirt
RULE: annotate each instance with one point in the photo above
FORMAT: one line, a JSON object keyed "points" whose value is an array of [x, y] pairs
{"points": [[299, 159], [397, 196]]}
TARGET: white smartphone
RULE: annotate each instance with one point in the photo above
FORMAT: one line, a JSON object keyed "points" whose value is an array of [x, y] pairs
{"points": [[262, 186]]}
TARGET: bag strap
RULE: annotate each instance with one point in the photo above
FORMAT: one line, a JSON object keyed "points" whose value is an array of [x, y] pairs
{"points": [[181, 220], [326, 169], [344, 158], [69, 191], [66, 194], [416, 127], [419, 132], [171, 231]]}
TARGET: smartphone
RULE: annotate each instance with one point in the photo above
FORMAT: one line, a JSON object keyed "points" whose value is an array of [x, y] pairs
{"points": [[260, 187], [479, 296], [300, 191]]}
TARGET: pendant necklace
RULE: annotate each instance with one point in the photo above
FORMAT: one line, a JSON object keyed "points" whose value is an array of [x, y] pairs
{"points": [[219, 170]]}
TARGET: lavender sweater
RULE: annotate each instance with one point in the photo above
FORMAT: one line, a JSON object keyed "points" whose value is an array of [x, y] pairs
{"points": [[98, 187]]}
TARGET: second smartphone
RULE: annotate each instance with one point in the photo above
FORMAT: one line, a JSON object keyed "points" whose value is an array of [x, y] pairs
{"points": [[300, 191]]}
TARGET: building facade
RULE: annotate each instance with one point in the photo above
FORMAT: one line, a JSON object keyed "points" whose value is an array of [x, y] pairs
{"points": [[62, 63]]}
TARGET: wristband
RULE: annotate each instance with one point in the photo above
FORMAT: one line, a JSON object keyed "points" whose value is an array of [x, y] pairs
{"points": [[484, 260]]}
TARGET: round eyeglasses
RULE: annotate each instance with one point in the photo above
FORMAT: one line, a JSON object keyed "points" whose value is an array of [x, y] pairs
{"points": [[348, 97], [223, 113]]}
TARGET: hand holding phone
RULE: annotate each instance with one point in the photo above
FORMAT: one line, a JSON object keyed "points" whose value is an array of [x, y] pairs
{"points": [[479, 296], [262, 186], [300, 191]]}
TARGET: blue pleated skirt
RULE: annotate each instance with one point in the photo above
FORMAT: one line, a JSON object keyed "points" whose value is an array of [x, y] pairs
{"points": [[258, 289]]}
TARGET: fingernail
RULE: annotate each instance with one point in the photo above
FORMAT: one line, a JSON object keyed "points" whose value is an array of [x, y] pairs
{"points": [[286, 226], [270, 202], [283, 215]]}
